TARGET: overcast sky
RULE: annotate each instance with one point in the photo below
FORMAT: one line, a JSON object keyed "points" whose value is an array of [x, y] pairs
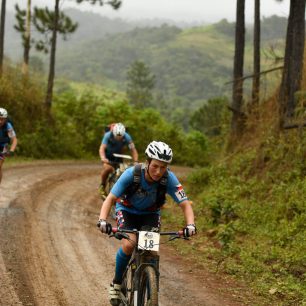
{"points": [[177, 10]]}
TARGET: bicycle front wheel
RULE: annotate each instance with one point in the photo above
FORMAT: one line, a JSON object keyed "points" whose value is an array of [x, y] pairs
{"points": [[148, 293]]}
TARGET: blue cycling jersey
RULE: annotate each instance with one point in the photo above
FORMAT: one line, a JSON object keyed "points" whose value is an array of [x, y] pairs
{"points": [[6, 133], [144, 198], [113, 145]]}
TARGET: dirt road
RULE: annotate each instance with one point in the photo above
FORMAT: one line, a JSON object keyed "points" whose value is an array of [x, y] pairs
{"points": [[51, 252]]}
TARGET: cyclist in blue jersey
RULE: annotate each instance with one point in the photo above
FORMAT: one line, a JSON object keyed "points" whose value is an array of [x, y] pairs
{"points": [[8, 139], [140, 206], [114, 141]]}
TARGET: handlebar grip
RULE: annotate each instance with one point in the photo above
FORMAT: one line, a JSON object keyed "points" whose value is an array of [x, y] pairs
{"points": [[181, 233]]}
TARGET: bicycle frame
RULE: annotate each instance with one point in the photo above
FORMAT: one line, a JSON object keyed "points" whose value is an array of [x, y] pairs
{"points": [[119, 167], [140, 282]]}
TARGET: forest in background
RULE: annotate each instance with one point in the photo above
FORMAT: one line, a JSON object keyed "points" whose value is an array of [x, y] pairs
{"points": [[191, 64], [249, 200]]}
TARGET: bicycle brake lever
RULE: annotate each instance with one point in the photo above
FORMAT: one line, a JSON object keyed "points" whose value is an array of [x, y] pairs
{"points": [[174, 237], [119, 235]]}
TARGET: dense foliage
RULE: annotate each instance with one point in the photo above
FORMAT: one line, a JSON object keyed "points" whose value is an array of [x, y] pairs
{"points": [[78, 122], [251, 213], [253, 209]]}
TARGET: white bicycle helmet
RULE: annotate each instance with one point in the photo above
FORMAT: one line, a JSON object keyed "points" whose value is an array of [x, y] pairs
{"points": [[160, 151], [3, 113], [118, 129]]}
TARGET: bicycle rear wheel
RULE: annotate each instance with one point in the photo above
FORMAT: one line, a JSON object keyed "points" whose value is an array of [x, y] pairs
{"points": [[148, 293]]}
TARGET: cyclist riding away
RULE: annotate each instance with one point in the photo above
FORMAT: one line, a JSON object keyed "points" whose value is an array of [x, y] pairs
{"points": [[114, 141], [8, 140], [138, 203]]}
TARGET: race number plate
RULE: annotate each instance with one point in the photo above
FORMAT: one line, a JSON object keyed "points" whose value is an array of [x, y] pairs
{"points": [[148, 241]]}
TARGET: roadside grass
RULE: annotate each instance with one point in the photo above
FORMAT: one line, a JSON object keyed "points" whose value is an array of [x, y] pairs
{"points": [[251, 219], [12, 161]]}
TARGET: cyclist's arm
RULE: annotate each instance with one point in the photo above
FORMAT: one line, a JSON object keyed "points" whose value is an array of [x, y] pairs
{"points": [[106, 206], [132, 147], [12, 136], [188, 211], [134, 152], [102, 152], [13, 143]]}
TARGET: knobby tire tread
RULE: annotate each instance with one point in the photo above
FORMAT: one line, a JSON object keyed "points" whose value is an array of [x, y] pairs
{"points": [[148, 283], [127, 284]]}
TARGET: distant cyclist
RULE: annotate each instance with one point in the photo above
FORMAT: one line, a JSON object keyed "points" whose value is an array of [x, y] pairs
{"points": [[114, 141], [8, 140], [138, 204]]}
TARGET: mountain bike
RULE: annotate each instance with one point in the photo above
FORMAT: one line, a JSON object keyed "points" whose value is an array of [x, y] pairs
{"points": [[119, 168], [140, 283]]}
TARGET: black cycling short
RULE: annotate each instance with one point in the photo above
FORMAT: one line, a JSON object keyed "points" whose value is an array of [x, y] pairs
{"points": [[127, 220]]}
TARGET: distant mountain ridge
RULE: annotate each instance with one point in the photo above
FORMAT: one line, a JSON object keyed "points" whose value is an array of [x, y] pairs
{"points": [[92, 26], [191, 64]]}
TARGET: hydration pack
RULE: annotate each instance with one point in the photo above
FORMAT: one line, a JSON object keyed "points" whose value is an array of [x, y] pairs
{"points": [[109, 127], [136, 185]]}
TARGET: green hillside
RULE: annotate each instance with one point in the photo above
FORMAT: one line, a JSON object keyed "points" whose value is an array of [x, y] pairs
{"points": [[191, 65], [186, 63]]}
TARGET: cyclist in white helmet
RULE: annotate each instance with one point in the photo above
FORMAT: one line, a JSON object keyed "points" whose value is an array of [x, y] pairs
{"points": [[138, 204], [114, 141], [8, 139]]}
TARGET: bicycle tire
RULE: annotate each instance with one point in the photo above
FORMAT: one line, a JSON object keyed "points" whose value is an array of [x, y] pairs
{"points": [[148, 292], [128, 285]]}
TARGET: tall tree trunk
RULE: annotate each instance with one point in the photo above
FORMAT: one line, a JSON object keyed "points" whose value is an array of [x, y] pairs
{"points": [[293, 65], [2, 30], [48, 101], [256, 59], [237, 95], [27, 35]]}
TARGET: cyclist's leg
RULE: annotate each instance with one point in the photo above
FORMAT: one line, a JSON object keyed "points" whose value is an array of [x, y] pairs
{"points": [[3, 150], [122, 258], [124, 220], [1, 163], [107, 169]]}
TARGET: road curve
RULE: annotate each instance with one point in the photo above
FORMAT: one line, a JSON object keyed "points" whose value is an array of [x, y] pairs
{"points": [[51, 253]]}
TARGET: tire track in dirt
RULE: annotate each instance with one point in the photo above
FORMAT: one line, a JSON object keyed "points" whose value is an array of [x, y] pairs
{"points": [[51, 252]]}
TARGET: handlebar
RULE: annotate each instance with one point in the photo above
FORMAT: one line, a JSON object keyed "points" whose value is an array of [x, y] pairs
{"points": [[124, 156], [116, 230]]}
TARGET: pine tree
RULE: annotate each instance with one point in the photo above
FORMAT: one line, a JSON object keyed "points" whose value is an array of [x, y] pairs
{"points": [[47, 21], [238, 117], [2, 30], [293, 64], [23, 26], [140, 82], [114, 3]]}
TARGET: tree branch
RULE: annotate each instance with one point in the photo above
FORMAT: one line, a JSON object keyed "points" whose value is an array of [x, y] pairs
{"points": [[252, 75], [294, 126]]}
